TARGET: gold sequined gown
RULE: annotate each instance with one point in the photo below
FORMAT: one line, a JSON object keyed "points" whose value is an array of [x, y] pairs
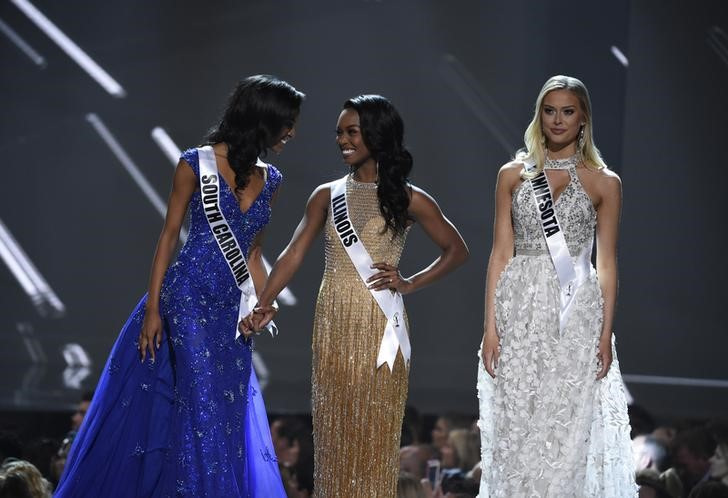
{"points": [[357, 408]]}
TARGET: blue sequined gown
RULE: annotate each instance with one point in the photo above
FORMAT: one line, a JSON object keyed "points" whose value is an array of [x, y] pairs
{"points": [[192, 423]]}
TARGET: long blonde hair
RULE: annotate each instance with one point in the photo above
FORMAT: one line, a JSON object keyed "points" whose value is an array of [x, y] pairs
{"points": [[534, 139]]}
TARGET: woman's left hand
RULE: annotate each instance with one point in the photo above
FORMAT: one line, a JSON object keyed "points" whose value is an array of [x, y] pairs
{"points": [[604, 356], [388, 277]]}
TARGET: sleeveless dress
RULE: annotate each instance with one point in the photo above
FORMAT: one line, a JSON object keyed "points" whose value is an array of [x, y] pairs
{"points": [[357, 407], [192, 423], [548, 427]]}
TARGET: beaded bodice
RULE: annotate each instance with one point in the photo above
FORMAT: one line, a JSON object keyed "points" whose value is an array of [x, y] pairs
{"points": [[369, 224], [574, 210]]}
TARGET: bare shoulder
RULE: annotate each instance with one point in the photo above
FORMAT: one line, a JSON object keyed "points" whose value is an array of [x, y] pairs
{"points": [[321, 195], [509, 176], [184, 173], [419, 199], [510, 172], [600, 184], [607, 181], [511, 168]]}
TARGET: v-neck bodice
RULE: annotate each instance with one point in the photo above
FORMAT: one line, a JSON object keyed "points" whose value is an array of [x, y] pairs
{"points": [[200, 257]]}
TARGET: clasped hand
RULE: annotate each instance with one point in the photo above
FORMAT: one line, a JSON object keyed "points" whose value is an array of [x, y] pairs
{"points": [[254, 322]]}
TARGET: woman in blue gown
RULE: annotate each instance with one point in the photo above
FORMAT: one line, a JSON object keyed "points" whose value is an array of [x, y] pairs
{"points": [[188, 419]]}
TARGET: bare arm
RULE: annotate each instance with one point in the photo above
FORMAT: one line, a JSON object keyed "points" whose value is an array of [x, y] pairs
{"points": [[608, 214], [500, 253], [183, 187], [290, 259], [255, 256], [453, 251]]}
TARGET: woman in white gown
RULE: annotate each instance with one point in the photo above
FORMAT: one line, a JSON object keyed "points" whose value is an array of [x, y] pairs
{"points": [[553, 414]]}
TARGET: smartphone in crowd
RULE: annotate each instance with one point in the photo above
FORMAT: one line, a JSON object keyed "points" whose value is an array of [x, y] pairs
{"points": [[433, 472]]}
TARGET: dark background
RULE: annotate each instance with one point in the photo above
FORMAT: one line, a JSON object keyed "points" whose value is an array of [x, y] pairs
{"points": [[464, 75]]}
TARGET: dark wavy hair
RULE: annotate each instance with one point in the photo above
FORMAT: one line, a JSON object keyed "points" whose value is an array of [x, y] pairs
{"points": [[258, 111], [382, 129]]}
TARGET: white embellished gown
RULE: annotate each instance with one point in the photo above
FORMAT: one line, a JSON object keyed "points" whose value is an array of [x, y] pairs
{"points": [[548, 427]]}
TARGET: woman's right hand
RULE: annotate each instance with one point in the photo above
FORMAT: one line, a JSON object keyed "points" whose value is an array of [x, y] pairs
{"points": [[257, 319], [150, 336], [491, 352], [262, 315]]}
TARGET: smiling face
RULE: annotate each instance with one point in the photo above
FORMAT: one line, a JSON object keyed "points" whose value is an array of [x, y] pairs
{"points": [[719, 463], [350, 140], [561, 119], [285, 136]]}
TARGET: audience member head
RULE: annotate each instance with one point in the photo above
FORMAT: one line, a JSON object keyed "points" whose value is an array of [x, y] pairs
{"points": [[288, 433], [80, 413], [461, 451], [665, 434], [652, 484], [649, 453], [444, 424], [692, 449], [408, 486], [20, 479], [293, 445], [413, 459], [709, 489], [719, 460]]}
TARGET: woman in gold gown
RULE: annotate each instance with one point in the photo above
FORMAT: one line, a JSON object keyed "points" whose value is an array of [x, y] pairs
{"points": [[358, 406]]}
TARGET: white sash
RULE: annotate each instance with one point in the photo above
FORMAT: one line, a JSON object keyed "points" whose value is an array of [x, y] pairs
{"points": [[233, 254], [391, 303], [570, 276]]}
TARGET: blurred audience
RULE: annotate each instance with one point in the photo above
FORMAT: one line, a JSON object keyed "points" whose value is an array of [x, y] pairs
{"points": [[81, 409], [409, 486], [709, 489], [413, 459], [412, 426], [653, 484], [21, 479], [445, 423], [640, 420], [649, 453], [10, 445], [41, 452], [461, 451], [293, 445], [686, 459], [692, 450], [719, 460]]}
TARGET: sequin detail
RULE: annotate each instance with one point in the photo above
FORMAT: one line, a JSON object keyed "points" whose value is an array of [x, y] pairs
{"points": [[548, 428], [573, 208], [350, 396], [186, 417]]}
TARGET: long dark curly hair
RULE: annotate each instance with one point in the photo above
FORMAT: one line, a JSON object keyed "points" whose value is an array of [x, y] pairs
{"points": [[260, 108], [382, 129]]}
